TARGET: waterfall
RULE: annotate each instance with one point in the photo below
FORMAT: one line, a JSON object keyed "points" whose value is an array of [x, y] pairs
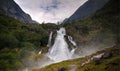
{"points": [[49, 41], [59, 51], [40, 52], [71, 40]]}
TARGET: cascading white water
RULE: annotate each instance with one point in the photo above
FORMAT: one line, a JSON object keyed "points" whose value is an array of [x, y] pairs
{"points": [[40, 52], [71, 40], [59, 51], [49, 41]]}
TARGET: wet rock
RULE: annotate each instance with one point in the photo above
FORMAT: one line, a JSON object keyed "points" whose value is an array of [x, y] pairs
{"points": [[97, 61], [86, 62], [97, 58], [62, 69], [107, 55]]}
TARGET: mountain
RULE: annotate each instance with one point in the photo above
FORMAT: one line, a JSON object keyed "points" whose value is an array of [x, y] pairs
{"points": [[101, 25], [10, 8], [87, 9]]}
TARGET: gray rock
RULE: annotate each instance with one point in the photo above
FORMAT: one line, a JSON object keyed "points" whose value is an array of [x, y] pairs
{"points": [[107, 55], [97, 58]]}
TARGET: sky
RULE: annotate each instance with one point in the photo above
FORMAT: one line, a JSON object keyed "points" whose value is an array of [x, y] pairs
{"points": [[49, 11]]}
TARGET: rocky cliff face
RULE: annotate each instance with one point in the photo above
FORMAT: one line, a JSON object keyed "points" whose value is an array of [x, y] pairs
{"points": [[87, 9], [10, 8]]}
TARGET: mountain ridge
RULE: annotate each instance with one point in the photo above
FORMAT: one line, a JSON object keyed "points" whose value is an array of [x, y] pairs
{"points": [[12, 9], [87, 9]]}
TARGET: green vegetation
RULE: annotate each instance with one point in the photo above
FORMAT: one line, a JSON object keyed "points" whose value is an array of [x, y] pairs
{"points": [[105, 20], [9, 61], [18, 40], [64, 64], [16, 34], [109, 16]]}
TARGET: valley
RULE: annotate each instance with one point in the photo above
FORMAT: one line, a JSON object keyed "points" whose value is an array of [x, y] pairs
{"points": [[89, 44]]}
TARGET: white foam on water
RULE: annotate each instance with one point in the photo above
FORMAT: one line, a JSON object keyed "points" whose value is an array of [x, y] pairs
{"points": [[59, 51]]}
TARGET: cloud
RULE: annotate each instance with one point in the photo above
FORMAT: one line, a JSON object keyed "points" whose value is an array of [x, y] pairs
{"points": [[52, 6], [50, 10]]}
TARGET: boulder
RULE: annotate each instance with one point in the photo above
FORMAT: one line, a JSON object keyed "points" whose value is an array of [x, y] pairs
{"points": [[107, 55]]}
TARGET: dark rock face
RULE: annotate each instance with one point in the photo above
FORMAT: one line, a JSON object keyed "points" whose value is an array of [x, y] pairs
{"points": [[87, 9], [107, 55], [10, 8]]}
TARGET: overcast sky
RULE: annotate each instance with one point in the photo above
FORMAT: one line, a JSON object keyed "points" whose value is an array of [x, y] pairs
{"points": [[50, 10]]}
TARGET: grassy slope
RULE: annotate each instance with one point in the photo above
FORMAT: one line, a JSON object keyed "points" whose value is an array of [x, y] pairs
{"points": [[109, 64]]}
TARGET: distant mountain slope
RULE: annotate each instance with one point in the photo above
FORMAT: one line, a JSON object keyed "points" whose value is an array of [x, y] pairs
{"points": [[87, 9], [10, 8], [102, 25]]}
